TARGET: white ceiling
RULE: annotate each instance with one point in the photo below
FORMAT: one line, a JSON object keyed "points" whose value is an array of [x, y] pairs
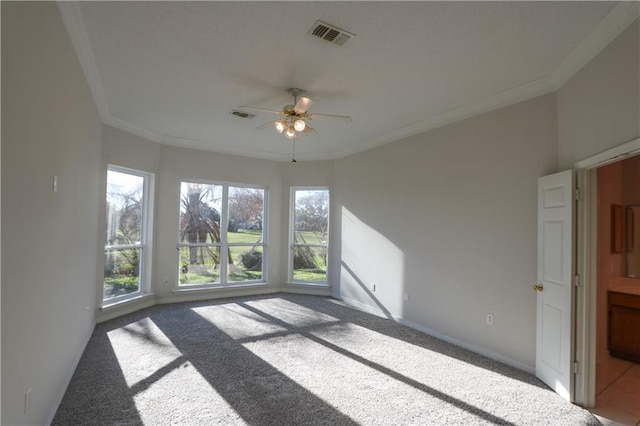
{"points": [[173, 71]]}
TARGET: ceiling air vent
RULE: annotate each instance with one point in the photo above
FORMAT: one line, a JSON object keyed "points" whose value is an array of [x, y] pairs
{"points": [[242, 114], [330, 33]]}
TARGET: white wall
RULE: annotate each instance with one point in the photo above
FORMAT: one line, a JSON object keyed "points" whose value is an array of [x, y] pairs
{"points": [[599, 107], [449, 218], [50, 126]]}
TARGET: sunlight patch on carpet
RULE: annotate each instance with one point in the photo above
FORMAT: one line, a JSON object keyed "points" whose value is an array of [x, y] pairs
{"points": [[183, 393], [298, 357], [141, 349], [291, 313], [237, 321]]}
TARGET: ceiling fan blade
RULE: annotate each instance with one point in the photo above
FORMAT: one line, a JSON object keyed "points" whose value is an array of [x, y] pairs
{"points": [[308, 130], [265, 125], [303, 104], [261, 109], [344, 117]]}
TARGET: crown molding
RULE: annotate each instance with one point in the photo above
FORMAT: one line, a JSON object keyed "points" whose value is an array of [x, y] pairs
{"points": [[616, 21], [530, 90], [222, 149], [189, 143], [134, 129], [72, 19]]}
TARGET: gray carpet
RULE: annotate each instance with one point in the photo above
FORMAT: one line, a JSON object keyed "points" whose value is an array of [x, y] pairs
{"points": [[293, 360]]}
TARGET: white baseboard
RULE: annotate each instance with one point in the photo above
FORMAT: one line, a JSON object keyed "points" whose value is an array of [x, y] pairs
{"points": [[209, 294], [312, 290], [473, 348], [366, 308], [124, 308], [69, 375]]}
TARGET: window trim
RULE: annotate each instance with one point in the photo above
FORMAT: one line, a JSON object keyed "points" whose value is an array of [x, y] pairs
{"points": [[224, 254], [146, 237], [291, 242]]}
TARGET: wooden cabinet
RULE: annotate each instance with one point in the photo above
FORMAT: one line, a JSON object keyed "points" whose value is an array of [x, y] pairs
{"points": [[624, 325]]}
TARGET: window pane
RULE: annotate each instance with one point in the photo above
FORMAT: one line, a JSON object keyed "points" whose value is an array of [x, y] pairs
{"points": [[200, 209], [309, 263], [124, 208], [311, 217], [246, 207], [121, 272], [247, 265], [199, 265]]}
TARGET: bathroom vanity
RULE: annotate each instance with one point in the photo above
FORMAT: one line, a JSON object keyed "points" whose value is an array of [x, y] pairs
{"points": [[623, 295], [624, 319]]}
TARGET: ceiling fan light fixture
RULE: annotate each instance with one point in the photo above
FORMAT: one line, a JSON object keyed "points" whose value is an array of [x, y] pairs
{"points": [[293, 117], [299, 125]]}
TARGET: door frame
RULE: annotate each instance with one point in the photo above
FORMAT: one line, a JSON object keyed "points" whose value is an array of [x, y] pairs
{"points": [[586, 268]]}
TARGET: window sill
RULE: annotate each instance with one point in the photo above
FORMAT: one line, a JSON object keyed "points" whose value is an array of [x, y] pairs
{"points": [[125, 302], [306, 284], [218, 287]]}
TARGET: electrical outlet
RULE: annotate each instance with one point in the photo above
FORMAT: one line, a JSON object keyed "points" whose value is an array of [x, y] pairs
{"points": [[490, 319]]}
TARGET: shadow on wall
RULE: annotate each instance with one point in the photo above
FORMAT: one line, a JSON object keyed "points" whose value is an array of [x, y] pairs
{"points": [[372, 268]]}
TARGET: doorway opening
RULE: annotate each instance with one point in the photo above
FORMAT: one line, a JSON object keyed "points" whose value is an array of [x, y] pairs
{"points": [[608, 294]]}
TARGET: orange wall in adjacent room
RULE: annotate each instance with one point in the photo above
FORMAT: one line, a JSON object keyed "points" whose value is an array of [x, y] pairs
{"points": [[609, 264]]}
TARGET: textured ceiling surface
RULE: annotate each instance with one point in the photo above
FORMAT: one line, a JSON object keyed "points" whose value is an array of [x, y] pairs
{"points": [[173, 71]]}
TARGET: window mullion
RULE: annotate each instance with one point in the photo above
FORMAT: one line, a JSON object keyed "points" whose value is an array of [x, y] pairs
{"points": [[224, 226]]}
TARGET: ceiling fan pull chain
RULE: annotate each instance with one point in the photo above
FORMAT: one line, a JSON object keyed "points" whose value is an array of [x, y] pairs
{"points": [[293, 156]]}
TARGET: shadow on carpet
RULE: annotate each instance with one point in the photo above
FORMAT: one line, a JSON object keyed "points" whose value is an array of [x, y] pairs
{"points": [[293, 360]]}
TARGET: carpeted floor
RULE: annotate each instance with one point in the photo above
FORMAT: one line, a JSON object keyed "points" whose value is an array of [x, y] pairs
{"points": [[293, 360]]}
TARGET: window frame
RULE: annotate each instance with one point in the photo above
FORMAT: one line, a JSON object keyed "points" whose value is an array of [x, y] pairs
{"points": [[223, 244], [145, 244], [292, 243]]}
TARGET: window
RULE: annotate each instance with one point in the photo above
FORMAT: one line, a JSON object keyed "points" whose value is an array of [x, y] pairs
{"points": [[127, 206], [221, 237], [309, 235]]}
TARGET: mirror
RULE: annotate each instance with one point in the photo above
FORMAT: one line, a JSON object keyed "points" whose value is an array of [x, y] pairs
{"points": [[632, 242]]}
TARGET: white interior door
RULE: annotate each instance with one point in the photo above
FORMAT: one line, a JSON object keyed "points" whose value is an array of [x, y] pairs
{"points": [[554, 288]]}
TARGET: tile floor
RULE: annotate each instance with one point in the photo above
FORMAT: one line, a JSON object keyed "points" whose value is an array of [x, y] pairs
{"points": [[618, 393]]}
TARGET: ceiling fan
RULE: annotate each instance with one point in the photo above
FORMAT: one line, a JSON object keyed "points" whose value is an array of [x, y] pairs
{"points": [[295, 117]]}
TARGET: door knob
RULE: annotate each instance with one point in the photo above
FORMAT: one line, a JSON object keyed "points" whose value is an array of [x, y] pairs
{"points": [[538, 287]]}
